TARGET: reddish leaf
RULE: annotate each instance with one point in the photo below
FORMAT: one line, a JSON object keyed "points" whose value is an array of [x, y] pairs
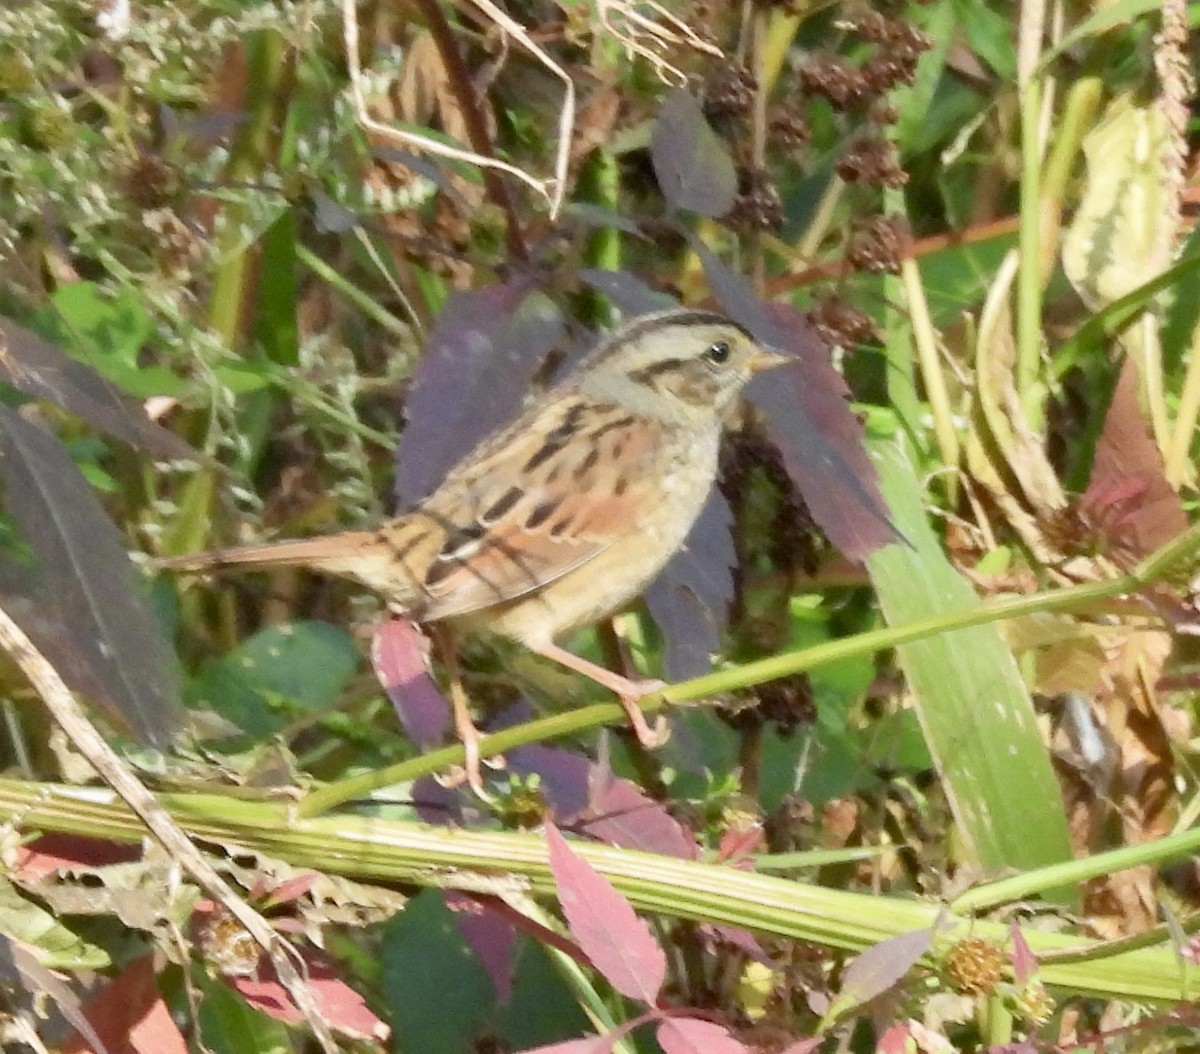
{"points": [[490, 935], [880, 967], [739, 844], [130, 1017], [69, 852], [400, 658], [690, 598], [808, 417], [82, 604], [804, 1046], [292, 889], [689, 1035], [342, 1008], [894, 1040], [620, 814], [616, 941], [1024, 962], [692, 165], [477, 366], [1128, 498], [587, 1045], [39, 368]]}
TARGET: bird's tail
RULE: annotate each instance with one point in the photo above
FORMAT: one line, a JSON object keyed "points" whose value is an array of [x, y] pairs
{"points": [[335, 554]]}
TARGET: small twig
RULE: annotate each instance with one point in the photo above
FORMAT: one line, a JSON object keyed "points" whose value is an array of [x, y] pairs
{"points": [[83, 735], [640, 35]]}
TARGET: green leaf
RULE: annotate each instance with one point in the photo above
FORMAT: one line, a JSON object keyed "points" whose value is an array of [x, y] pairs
{"points": [[989, 35], [428, 967], [973, 706], [55, 946], [275, 326], [294, 667], [108, 333], [229, 1025]]}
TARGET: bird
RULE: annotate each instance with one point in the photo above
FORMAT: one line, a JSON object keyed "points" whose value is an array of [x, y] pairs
{"points": [[562, 517]]}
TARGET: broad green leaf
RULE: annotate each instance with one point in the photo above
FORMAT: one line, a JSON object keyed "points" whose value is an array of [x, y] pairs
{"points": [[968, 693], [294, 667], [55, 946], [230, 1025], [108, 334]]}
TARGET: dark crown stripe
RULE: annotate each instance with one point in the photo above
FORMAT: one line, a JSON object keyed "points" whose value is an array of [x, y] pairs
{"points": [[640, 326]]}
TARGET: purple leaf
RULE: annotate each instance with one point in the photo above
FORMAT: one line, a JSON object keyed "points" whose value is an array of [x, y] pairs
{"points": [[88, 610], [808, 418], [563, 773], [603, 922], [692, 165], [879, 968], [438, 804], [689, 1035], [400, 658], [38, 368], [490, 936], [629, 293], [690, 599], [804, 1046], [478, 364], [620, 814], [743, 940]]}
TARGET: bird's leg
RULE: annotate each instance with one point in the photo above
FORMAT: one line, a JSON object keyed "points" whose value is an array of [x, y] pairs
{"points": [[464, 726], [627, 691]]}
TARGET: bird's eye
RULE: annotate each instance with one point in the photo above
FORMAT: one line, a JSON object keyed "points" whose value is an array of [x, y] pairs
{"points": [[718, 353]]}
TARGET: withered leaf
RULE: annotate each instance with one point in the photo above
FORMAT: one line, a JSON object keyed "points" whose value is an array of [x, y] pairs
{"points": [[83, 605]]}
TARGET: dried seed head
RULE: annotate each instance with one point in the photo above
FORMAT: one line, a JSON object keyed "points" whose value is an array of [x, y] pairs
{"points": [[841, 325], [832, 78], [758, 205], [880, 245], [729, 91], [873, 161], [974, 966]]}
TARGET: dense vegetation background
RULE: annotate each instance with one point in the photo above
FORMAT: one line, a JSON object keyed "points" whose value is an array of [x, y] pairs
{"points": [[269, 269]]}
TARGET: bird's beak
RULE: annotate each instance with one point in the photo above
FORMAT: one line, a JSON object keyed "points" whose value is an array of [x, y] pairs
{"points": [[762, 359]]}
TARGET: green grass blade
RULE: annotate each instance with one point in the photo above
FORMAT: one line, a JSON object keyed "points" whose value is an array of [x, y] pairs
{"points": [[973, 707]]}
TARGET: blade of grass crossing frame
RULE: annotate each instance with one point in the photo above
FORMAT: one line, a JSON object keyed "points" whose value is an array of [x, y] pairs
{"points": [[973, 707]]}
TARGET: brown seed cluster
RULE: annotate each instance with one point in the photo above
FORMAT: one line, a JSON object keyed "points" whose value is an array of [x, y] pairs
{"points": [[758, 205], [729, 91], [846, 86], [879, 245], [841, 324], [874, 161], [150, 182]]}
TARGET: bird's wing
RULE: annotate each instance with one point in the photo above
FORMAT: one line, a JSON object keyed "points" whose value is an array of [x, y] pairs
{"points": [[540, 499]]}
